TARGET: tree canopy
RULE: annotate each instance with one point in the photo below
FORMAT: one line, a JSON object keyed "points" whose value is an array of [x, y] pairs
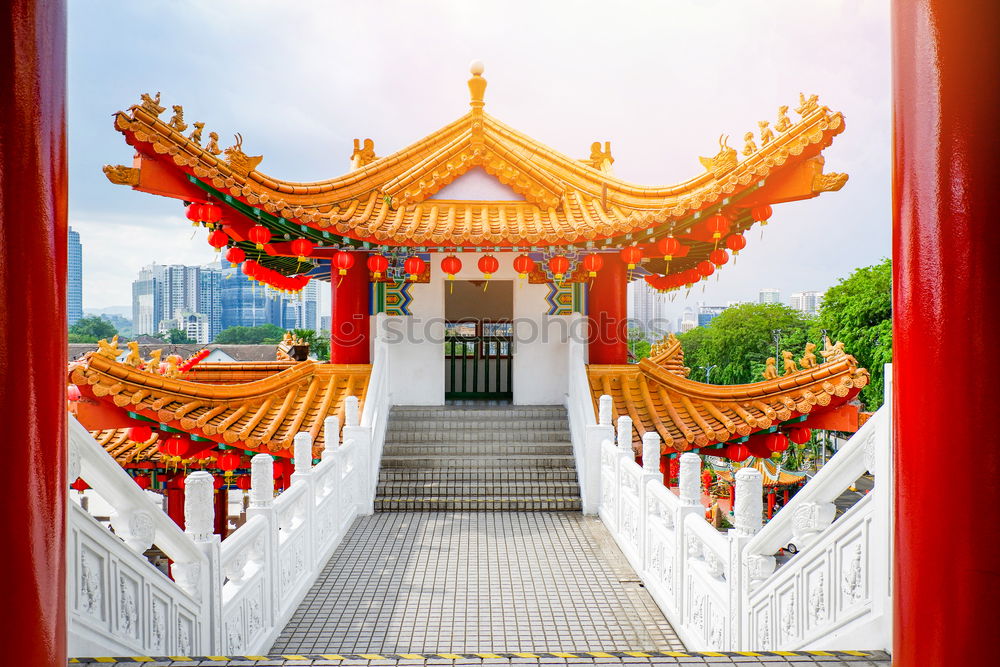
{"points": [[259, 335], [737, 343], [90, 330], [858, 311], [175, 337]]}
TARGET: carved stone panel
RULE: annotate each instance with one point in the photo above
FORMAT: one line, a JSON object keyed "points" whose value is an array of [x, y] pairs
{"points": [[91, 583], [127, 604]]}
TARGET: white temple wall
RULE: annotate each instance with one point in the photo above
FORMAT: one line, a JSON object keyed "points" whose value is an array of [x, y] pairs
{"points": [[416, 343]]}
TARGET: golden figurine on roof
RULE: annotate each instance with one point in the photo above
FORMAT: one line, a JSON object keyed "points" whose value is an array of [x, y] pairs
{"points": [[152, 104], [176, 121]]}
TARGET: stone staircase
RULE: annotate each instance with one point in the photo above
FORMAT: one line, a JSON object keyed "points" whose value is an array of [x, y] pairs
{"points": [[503, 458]]}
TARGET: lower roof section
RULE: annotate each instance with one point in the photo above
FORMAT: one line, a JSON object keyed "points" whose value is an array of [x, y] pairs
{"points": [[250, 406]]}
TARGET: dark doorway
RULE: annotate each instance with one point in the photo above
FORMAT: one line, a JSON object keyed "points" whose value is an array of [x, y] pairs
{"points": [[478, 344]]}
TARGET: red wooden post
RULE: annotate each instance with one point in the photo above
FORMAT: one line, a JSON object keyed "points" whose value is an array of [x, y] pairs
{"points": [[175, 499], [770, 505], [607, 312], [349, 321], [33, 328], [221, 512], [945, 238]]}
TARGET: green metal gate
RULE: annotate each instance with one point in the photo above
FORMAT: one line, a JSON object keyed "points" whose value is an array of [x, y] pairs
{"points": [[479, 358]]}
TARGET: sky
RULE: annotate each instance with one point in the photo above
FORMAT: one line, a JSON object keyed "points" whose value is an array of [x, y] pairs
{"points": [[660, 80]]}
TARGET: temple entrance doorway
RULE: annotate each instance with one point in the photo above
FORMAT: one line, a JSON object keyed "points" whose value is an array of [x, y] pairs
{"points": [[478, 344]]}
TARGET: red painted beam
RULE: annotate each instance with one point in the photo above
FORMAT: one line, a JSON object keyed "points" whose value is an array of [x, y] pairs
{"points": [[946, 319], [607, 311], [33, 329]]}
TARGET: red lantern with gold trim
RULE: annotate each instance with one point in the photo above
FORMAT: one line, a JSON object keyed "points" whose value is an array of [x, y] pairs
{"points": [[488, 264], [668, 247], [558, 265], [776, 442], [259, 235], [193, 213], [303, 248], [631, 255], [761, 213], [705, 268], [144, 481], [218, 239], [377, 264], [140, 433], [211, 213], [717, 225], [737, 452], [414, 266], [228, 462], [243, 482], [592, 263], [718, 257], [736, 242], [343, 260], [452, 265], [524, 265], [235, 255], [800, 436]]}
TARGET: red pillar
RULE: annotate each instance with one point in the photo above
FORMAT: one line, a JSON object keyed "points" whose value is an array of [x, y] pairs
{"points": [[349, 314], [175, 499], [945, 238], [607, 311], [33, 328], [221, 512]]}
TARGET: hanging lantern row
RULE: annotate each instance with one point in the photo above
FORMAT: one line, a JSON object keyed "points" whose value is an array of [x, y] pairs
{"points": [[235, 255], [414, 266], [451, 265], [218, 239], [207, 214], [259, 235], [279, 281], [378, 264], [524, 265], [343, 260], [193, 361], [592, 263], [303, 248]]}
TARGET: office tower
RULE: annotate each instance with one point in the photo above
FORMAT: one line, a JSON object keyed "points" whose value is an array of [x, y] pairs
{"points": [[74, 278], [769, 295], [807, 302]]}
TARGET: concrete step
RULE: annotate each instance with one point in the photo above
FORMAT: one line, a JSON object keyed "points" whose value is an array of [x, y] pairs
{"points": [[473, 461], [497, 503], [486, 476], [477, 425], [477, 412], [448, 487], [448, 449], [491, 436]]}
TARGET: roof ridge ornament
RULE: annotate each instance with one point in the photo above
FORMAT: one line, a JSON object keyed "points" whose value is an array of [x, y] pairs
{"points": [[477, 85]]}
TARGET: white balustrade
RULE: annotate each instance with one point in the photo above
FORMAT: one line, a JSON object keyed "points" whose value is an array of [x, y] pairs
{"points": [[725, 591], [228, 597]]}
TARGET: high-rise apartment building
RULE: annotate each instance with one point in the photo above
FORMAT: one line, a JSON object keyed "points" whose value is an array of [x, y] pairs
{"points": [[769, 295], [647, 308], [708, 313], [807, 302], [163, 295], [74, 278]]}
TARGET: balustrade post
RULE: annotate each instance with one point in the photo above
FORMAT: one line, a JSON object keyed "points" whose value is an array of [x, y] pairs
{"points": [[745, 568], [199, 525], [689, 487], [331, 437], [626, 453], [650, 475], [596, 434], [302, 444], [362, 438], [625, 435], [262, 504]]}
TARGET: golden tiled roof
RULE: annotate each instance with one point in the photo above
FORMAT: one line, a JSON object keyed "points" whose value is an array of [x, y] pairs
{"points": [[386, 200], [774, 476], [686, 414], [253, 406]]}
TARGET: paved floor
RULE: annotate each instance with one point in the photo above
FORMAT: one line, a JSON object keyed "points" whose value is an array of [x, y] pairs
{"points": [[472, 582]]}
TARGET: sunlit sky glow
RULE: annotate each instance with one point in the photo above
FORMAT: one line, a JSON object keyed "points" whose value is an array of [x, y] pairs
{"points": [[660, 80]]}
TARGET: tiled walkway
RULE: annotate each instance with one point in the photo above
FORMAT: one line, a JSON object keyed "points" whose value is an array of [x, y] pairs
{"points": [[469, 582]]}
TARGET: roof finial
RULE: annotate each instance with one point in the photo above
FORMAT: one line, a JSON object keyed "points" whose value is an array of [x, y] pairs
{"points": [[477, 85]]}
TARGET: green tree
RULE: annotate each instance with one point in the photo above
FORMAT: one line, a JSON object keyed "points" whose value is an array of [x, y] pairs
{"points": [[638, 344], [175, 337], [262, 334], [858, 312], [318, 345], [90, 330], [739, 341]]}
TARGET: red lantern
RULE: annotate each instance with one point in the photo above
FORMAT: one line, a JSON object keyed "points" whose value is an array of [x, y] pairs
{"points": [[668, 247], [175, 446], [235, 255], [228, 462], [736, 242], [631, 255], [303, 248], [593, 263], [706, 479], [488, 264], [211, 213], [343, 260], [761, 213], [737, 452], [524, 265], [140, 434], [799, 436], [414, 266], [259, 235], [705, 268], [718, 257], [377, 264], [243, 482], [281, 468], [558, 265], [776, 442], [218, 239], [452, 265], [717, 225], [144, 481], [79, 485], [73, 393], [193, 213]]}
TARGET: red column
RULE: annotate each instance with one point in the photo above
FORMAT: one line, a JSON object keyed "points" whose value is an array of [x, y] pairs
{"points": [[946, 319], [607, 311], [221, 512], [33, 328], [349, 314], [175, 499]]}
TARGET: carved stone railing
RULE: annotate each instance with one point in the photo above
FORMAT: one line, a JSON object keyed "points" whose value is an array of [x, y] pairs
{"points": [[375, 416], [724, 591], [226, 598], [586, 433]]}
